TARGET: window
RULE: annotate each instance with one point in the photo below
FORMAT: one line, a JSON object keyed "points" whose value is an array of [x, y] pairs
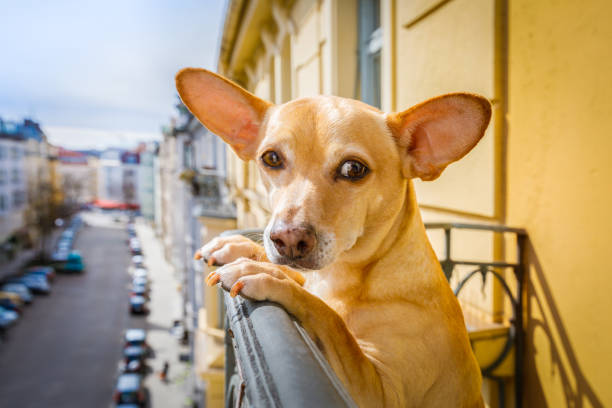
{"points": [[188, 156], [370, 46], [15, 152], [3, 203], [18, 198], [2, 152], [15, 176], [2, 176]]}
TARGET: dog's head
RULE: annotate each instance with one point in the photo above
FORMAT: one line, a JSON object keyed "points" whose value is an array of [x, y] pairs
{"points": [[336, 169]]}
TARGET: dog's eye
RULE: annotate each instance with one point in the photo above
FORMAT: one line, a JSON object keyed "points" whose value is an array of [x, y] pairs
{"points": [[272, 159], [352, 170]]}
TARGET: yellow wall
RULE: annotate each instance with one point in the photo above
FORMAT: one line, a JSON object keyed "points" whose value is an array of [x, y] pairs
{"points": [[559, 187], [543, 163], [443, 47]]}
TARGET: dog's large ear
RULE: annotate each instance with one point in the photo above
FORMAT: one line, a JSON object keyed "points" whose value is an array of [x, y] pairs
{"points": [[223, 107], [439, 131]]}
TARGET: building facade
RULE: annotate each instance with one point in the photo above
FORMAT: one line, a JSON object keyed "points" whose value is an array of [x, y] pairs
{"points": [[79, 174], [195, 206], [146, 182], [541, 165], [13, 181], [27, 186], [118, 176]]}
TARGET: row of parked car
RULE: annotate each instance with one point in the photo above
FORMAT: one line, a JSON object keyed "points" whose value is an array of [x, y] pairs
{"points": [[129, 390], [139, 290], [65, 258], [17, 291]]}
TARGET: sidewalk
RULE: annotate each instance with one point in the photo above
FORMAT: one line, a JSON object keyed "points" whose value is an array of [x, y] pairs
{"points": [[18, 264], [164, 303]]}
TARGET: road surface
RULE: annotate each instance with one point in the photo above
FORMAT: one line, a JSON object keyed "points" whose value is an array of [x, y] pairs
{"points": [[65, 349]]}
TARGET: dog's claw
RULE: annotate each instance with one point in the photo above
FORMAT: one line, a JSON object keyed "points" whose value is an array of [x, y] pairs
{"points": [[197, 256], [208, 277], [236, 288], [213, 279], [211, 261]]}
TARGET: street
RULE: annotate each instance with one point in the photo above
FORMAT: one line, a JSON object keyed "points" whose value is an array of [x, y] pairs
{"points": [[65, 350]]}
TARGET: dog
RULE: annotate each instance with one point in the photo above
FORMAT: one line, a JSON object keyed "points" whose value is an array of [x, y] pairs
{"points": [[345, 251]]}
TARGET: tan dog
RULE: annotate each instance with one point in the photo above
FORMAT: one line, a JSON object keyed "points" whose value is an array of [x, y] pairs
{"points": [[338, 173]]}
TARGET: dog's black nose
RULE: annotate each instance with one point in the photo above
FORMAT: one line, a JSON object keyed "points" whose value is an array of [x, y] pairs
{"points": [[293, 242]]}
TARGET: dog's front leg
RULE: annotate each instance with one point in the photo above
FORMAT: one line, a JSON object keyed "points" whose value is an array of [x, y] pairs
{"points": [[224, 250], [265, 281]]}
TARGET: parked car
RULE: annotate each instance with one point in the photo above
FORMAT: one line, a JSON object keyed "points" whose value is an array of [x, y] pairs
{"points": [[64, 245], [46, 271], [136, 337], [11, 301], [138, 261], [34, 283], [8, 317], [133, 359], [76, 222], [60, 255], [140, 290], [138, 304], [135, 247], [20, 289], [129, 390], [73, 263], [140, 273], [140, 281]]}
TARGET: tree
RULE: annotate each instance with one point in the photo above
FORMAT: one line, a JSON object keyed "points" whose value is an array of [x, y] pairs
{"points": [[46, 205]]}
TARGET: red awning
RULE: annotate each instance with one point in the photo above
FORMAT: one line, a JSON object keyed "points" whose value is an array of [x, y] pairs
{"points": [[114, 205]]}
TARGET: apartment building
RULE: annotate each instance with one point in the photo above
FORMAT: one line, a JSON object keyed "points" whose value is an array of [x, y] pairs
{"points": [[542, 164], [13, 181]]}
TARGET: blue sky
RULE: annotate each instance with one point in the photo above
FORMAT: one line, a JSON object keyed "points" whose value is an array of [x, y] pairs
{"points": [[100, 73]]}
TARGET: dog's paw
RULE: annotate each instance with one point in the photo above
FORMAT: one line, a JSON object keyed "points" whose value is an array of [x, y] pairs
{"points": [[253, 279], [229, 274], [223, 250]]}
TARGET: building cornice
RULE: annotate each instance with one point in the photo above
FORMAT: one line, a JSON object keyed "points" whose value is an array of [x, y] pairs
{"points": [[253, 31]]}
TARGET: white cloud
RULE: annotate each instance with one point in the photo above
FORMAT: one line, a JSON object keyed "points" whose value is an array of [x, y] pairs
{"points": [[84, 138]]}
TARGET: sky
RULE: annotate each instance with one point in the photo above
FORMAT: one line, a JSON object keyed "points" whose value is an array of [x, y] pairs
{"points": [[100, 73]]}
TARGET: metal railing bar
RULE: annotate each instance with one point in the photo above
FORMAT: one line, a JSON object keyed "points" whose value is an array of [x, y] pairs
{"points": [[326, 367], [499, 278], [249, 349], [279, 366], [479, 227], [492, 264]]}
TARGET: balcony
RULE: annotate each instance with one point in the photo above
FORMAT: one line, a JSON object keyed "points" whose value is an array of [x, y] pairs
{"points": [[269, 360], [211, 194]]}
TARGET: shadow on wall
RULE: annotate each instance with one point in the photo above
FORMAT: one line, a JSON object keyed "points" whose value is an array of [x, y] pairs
{"points": [[576, 388]]}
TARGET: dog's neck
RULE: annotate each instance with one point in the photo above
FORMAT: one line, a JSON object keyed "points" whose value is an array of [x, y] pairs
{"points": [[401, 253]]}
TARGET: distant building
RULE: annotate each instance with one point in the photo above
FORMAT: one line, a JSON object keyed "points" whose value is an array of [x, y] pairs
{"points": [[13, 180], [118, 177], [146, 183], [79, 176], [25, 183]]}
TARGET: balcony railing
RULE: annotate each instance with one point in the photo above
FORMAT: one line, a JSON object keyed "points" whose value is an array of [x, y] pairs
{"points": [[513, 345], [272, 362], [211, 193]]}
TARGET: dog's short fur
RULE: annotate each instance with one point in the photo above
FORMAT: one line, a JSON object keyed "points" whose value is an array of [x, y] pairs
{"points": [[374, 297]]}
